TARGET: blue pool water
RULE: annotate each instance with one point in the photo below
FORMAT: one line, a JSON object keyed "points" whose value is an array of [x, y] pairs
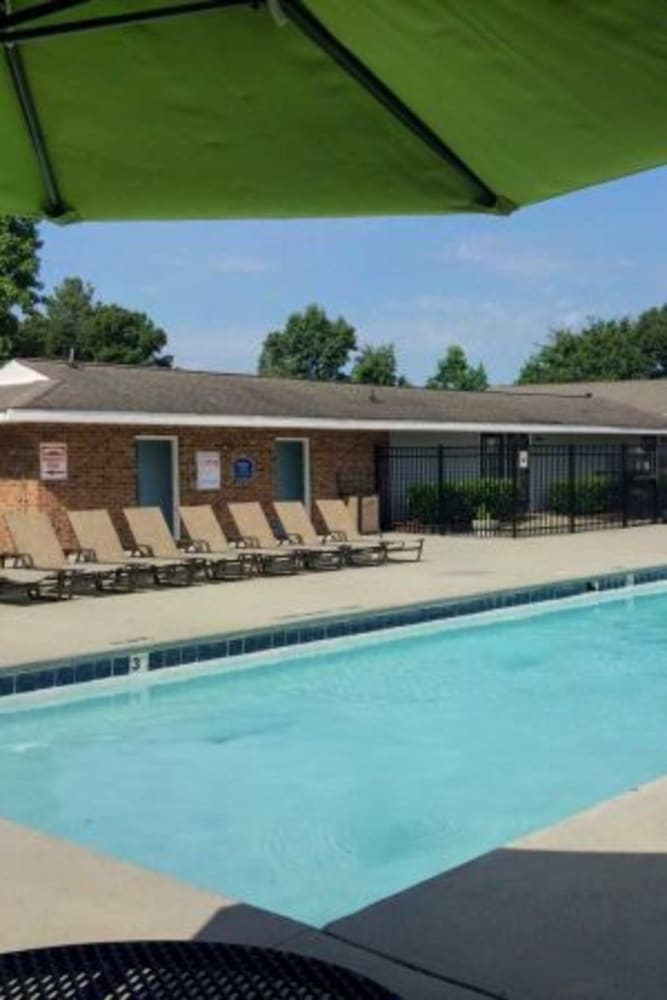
{"points": [[321, 782]]}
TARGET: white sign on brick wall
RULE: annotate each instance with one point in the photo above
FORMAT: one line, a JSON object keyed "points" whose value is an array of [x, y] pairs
{"points": [[208, 470], [52, 460]]}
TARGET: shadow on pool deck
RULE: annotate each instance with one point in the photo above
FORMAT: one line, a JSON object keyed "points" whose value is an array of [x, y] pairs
{"points": [[521, 924], [543, 925]]}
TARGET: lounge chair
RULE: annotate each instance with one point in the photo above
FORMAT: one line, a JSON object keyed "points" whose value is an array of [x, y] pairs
{"points": [[17, 581], [96, 534], [207, 535], [299, 529], [255, 532], [37, 547], [341, 527], [154, 539]]}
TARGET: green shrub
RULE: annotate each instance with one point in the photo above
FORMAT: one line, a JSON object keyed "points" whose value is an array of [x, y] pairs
{"points": [[585, 495], [454, 504], [500, 497], [431, 502]]}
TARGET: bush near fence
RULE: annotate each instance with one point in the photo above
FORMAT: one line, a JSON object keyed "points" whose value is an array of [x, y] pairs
{"points": [[454, 505], [596, 494]]}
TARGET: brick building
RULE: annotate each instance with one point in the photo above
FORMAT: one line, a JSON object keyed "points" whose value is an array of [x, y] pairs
{"points": [[75, 436]]}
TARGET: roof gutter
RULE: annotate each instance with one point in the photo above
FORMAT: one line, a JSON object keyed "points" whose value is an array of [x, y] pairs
{"points": [[125, 418]]}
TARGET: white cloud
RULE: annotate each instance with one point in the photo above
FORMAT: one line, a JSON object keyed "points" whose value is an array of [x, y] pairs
{"points": [[502, 257], [500, 334], [228, 263]]}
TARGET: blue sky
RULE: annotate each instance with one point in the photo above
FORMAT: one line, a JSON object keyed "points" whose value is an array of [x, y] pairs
{"points": [[496, 286]]}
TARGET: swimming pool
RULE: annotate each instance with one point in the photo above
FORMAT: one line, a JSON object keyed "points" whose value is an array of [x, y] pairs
{"points": [[321, 780]]}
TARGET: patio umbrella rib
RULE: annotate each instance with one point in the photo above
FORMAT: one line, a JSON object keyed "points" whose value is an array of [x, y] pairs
{"points": [[39, 10], [55, 207], [33, 34], [359, 71]]}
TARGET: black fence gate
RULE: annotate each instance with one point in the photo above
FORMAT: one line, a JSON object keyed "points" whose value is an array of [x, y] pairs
{"points": [[521, 489]]}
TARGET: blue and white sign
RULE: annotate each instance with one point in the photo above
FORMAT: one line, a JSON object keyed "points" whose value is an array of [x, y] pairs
{"points": [[243, 469]]}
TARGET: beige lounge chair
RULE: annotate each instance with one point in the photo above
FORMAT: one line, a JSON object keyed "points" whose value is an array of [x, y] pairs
{"points": [[96, 534], [154, 539], [255, 532], [341, 527], [37, 546], [207, 535], [16, 580], [299, 529]]}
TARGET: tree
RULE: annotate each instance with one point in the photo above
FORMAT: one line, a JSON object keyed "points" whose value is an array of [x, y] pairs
{"points": [[19, 277], [65, 324], [377, 366], [311, 346], [455, 372], [607, 350], [94, 331], [128, 337]]}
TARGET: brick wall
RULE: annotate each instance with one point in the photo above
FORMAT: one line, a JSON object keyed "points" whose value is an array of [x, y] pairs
{"points": [[102, 468]]}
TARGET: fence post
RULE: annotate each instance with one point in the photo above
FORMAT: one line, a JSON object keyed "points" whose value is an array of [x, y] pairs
{"points": [[624, 484], [571, 489], [441, 495], [380, 486], [514, 458]]}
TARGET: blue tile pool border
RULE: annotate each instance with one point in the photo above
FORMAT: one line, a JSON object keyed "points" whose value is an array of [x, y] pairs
{"points": [[165, 656]]}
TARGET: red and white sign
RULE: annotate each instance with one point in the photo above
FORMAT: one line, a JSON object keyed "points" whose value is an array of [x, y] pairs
{"points": [[52, 460]]}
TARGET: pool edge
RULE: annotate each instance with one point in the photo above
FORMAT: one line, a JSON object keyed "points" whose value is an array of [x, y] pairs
{"points": [[77, 670]]}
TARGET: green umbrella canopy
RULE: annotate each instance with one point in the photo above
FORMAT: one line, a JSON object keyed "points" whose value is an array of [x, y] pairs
{"points": [[151, 109]]}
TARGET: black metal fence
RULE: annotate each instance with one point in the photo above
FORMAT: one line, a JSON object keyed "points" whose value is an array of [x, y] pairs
{"points": [[518, 490]]}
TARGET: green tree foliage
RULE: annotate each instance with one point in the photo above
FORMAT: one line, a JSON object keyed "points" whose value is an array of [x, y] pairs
{"points": [[377, 366], [455, 372], [311, 346], [128, 337], [72, 321], [604, 350], [19, 277], [65, 323]]}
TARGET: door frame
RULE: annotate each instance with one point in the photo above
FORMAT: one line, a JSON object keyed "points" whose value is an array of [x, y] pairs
{"points": [[175, 478], [307, 499]]}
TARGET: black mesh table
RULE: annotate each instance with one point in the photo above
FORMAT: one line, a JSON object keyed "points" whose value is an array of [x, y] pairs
{"points": [[176, 970]]}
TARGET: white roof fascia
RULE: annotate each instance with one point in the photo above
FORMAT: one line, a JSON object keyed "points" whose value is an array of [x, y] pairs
{"points": [[140, 419]]}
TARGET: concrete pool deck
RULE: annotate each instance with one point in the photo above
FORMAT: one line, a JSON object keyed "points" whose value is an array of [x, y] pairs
{"points": [[451, 567], [575, 912]]}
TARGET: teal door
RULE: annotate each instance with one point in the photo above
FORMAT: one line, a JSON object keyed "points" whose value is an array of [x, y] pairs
{"points": [[291, 470], [155, 476]]}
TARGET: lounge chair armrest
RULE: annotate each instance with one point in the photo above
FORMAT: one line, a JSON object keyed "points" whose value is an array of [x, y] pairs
{"points": [[249, 542], [194, 545], [142, 551], [16, 560], [335, 536], [80, 555]]}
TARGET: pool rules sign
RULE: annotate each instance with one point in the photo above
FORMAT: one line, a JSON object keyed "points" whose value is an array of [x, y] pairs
{"points": [[208, 470], [52, 460]]}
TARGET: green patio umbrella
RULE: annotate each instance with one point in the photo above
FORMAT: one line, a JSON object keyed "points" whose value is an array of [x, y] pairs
{"points": [[124, 109]]}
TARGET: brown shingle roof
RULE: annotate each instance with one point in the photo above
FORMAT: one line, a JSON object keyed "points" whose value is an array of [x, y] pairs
{"points": [[118, 388], [649, 395]]}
